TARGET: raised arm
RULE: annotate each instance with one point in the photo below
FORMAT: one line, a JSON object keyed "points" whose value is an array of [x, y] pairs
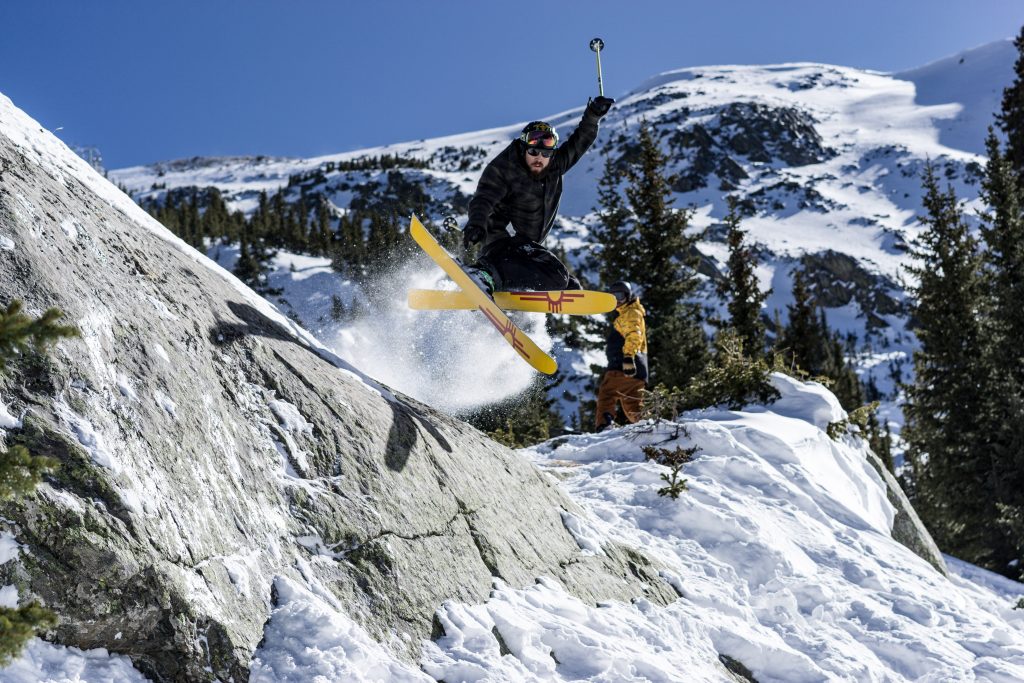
{"points": [[583, 137]]}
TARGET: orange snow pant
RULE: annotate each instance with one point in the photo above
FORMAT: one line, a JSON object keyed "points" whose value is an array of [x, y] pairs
{"points": [[617, 387]]}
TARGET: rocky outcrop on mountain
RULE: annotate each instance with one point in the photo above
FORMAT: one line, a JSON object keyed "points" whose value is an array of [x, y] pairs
{"points": [[749, 131], [837, 279], [907, 527], [207, 446], [787, 198]]}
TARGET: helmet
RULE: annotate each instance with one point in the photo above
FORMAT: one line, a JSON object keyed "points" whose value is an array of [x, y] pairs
{"points": [[622, 290], [539, 134]]}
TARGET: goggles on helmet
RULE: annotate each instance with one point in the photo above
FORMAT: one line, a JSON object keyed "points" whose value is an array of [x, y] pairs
{"points": [[540, 134], [541, 138]]}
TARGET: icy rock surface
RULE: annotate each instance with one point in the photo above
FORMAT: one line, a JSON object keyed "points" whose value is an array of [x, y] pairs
{"points": [[210, 447]]}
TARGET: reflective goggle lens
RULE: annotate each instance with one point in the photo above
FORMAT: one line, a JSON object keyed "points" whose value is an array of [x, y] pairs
{"points": [[541, 138]]}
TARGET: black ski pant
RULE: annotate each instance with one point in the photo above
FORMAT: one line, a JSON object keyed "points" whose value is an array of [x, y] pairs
{"points": [[517, 264]]}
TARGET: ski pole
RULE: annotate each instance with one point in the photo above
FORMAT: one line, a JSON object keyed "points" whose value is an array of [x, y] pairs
{"points": [[597, 45]]}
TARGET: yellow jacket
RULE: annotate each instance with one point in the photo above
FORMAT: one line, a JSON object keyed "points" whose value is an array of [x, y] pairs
{"points": [[630, 324]]}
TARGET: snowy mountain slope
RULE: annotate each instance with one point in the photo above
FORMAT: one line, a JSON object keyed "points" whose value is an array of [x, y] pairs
{"points": [[975, 80]]}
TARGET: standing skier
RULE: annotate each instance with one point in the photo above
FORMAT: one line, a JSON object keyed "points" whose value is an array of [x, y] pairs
{"points": [[626, 349], [515, 204]]}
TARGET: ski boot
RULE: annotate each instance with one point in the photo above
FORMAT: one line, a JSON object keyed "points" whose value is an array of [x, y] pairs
{"points": [[482, 278]]}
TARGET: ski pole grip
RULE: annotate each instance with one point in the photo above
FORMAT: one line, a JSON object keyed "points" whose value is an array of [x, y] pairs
{"points": [[597, 45]]}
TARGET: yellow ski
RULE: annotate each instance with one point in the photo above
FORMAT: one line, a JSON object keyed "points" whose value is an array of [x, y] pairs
{"points": [[569, 301], [516, 338]]}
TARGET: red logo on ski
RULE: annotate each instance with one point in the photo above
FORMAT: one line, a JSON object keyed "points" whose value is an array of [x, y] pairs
{"points": [[554, 305], [507, 329]]}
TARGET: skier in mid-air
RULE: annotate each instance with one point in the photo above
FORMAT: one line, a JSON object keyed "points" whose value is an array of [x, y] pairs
{"points": [[515, 204]]}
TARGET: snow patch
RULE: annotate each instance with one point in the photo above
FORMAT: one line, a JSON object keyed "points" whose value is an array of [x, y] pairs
{"points": [[551, 635], [293, 423], [585, 535], [44, 662], [161, 308], [290, 417], [807, 401], [124, 385], [8, 547], [165, 402], [70, 228], [7, 420], [309, 639], [9, 597], [161, 352], [88, 436]]}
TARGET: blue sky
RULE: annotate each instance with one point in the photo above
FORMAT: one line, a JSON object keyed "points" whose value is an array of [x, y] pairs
{"points": [[148, 81]]}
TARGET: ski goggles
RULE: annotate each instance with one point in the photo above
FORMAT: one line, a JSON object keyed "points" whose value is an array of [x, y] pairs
{"points": [[534, 151], [544, 139]]}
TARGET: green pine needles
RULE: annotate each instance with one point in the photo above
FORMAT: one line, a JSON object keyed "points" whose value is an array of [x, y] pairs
{"points": [[674, 460], [19, 333], [20, 471]]}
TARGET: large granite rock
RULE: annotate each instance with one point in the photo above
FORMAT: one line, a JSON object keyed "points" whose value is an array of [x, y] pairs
{"points": [[207, 446]]}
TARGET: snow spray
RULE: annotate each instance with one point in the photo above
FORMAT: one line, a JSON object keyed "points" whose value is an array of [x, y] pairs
{"points": [[452, 360]]}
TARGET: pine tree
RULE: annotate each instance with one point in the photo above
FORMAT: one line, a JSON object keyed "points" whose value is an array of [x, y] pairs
{"points": [[20, 471], [192, 220], [662, 262], [614, 232], [277, 221], [381, 243], [1011, 118], [216, 222], [800, 340], [19, 333], [740, 288], [323, 233], [844, 382], [253, 262], [951, 468], [1003, 234], [808, 346]]}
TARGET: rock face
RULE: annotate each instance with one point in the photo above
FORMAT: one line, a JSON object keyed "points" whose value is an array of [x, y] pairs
{"points": [[207, 446], [837, 279], [742, 130], [907, 527]]}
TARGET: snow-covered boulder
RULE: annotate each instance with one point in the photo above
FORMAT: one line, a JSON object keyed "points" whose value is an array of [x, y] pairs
{"points": [[210, 450]]}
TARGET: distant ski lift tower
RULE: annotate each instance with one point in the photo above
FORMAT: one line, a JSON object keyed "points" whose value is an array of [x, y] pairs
{"points": [[92, 155]]}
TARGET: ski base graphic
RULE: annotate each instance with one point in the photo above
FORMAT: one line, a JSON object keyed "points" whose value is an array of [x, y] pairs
{"points": [[569, 301], [510, 332]]}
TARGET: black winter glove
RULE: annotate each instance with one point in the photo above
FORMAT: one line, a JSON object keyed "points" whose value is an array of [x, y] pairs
{"points": [[599, 106], [629, 366], [471, 235]]}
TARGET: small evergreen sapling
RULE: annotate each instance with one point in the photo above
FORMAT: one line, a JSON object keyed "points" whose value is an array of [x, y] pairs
{"points": [[19, 333], [674, 460], [19, 470], [860, 418]]}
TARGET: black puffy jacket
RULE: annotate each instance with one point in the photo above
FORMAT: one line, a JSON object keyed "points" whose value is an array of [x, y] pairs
{"points": [[508, 193]]}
